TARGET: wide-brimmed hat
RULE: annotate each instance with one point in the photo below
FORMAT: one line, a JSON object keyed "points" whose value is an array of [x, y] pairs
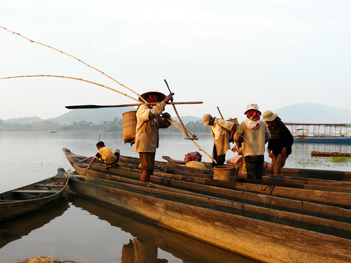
{"points": [[252, 106], [206, 118], [146, 94], [269, 116]]}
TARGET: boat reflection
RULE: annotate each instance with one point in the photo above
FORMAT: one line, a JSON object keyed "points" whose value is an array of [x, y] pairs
{"points": [[18, 227], [141, 252], [148, 238]]}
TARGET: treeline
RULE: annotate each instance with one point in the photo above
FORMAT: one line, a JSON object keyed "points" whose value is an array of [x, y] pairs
{"points": [[107, 126]]}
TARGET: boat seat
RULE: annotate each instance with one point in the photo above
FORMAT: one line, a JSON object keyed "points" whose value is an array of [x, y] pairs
{"points": [[34, 191], [49, 185]]}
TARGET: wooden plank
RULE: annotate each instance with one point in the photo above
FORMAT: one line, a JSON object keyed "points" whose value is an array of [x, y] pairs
{"points": [[313, 153], [34, 191], [49, 185]]}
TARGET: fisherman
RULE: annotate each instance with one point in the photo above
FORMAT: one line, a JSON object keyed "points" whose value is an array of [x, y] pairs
{"points": [[255, 133], [279, 146], [149, 120], [220, 130], [106, 155]]}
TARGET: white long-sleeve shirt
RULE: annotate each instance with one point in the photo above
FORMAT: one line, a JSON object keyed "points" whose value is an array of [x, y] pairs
{"points": [[220, 130]]}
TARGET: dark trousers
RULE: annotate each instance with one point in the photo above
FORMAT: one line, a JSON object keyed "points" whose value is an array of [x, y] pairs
{"points": [[254, 167], [220, 159]]}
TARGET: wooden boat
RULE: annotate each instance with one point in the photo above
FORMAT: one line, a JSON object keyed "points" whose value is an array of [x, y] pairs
{"points": [[320, 139], [255, 222], [39, 195]]}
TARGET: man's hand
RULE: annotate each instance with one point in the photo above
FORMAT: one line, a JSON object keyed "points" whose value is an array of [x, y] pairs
{"points": [[169, 97], [284, 152], [270, 154], [166, 115]]}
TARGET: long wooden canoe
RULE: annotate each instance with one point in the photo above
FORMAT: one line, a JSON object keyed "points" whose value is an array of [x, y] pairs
{"points": [[39, 195], [259, 225]]}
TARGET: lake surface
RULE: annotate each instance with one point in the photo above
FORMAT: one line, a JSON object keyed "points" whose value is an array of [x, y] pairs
{"points": [[77, 229]]}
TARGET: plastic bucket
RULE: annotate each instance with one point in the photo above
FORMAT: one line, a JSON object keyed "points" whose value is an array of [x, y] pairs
{"points": [[225, 172], [129, 126]]}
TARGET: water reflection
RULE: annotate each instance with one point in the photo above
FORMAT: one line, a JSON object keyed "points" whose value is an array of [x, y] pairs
{"points": [[148, 238], [16, 228], [141, 252]]}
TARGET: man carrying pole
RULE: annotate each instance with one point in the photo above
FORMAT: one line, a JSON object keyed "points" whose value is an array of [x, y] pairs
{"points": [[220, 130], [149, 120]]}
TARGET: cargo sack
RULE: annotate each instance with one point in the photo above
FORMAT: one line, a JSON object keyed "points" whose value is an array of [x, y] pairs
{"points": [[197, 165], [232, 132], [193, 156]]}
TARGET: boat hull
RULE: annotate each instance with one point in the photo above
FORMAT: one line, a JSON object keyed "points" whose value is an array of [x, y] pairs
{"points": [[260, 240], [310, 139], [33, 197]]}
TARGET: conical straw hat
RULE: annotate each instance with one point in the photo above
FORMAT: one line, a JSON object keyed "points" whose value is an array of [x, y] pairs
{"points": [[146, 94]]}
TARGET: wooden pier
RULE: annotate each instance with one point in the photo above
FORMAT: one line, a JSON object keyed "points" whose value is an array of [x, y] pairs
{"points": [[321, 132], [329, 154], [319, 129]]}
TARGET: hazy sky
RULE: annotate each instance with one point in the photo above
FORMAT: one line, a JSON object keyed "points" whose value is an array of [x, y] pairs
{"points": [[224, 53]]}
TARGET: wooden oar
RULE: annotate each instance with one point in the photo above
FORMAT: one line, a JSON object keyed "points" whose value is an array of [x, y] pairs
{"points": [[125, 105]]}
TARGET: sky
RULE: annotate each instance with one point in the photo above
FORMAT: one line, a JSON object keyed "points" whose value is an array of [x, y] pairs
{"points": [[224, 53]]}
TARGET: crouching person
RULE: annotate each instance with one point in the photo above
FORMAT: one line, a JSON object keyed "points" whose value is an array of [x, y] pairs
{"points": [[106, 155]]}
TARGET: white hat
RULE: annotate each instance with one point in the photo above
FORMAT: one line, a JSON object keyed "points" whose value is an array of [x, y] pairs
{"points": [[252, 106], [206, 118], [146, 94], [269, 116]]}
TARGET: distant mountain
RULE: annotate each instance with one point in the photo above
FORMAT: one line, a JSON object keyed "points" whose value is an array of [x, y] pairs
{"points": [[313, 113], [298, 113], [187, 119], [25, 120], [96, 116]]}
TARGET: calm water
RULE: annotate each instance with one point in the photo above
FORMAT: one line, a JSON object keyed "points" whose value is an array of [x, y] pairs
{"points": [[78, 229]]}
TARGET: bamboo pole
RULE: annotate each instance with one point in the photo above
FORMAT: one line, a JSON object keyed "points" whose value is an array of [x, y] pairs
{"points": [[80, 79], [175, 110], [192, 134], [198, 146], [220, 112], [66, 77], [81, 61]]}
